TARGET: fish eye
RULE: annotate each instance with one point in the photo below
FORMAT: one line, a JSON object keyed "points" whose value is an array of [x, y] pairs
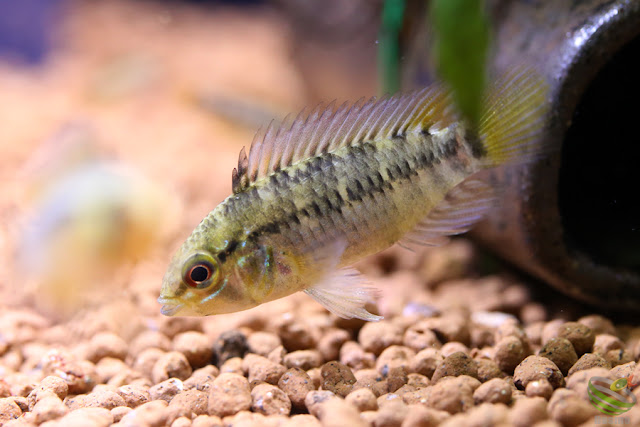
{"points": [[200, 271]]}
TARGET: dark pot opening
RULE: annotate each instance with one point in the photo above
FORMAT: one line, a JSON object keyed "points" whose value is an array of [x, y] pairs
{"points": [[599, 183]]}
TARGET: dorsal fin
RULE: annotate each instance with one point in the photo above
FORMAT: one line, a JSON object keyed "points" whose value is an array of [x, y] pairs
{"points": [[239, 176], [326, 129]]}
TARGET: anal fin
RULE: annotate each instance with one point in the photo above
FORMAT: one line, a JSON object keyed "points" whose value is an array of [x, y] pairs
{"points": [[345, 293], [458, 212]]}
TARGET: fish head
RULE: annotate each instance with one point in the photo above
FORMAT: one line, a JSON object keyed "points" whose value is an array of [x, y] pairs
{"points": [[205, 279]]}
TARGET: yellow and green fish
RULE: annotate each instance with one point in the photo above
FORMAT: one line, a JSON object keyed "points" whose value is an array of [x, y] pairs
{"points": [[332, 186]]}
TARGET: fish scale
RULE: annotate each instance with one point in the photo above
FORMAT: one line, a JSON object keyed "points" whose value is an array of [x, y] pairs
{"points": [[327, 189]]}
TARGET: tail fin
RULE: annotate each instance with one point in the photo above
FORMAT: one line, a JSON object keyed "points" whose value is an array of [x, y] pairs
{"points": [[513, 118]]}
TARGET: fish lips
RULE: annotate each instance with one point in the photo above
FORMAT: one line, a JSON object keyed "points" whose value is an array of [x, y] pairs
{"points": [[169, 306]]}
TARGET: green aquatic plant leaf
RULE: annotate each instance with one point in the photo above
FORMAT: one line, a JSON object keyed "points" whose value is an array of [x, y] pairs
{"points": [[389, 46], [461, 41]]}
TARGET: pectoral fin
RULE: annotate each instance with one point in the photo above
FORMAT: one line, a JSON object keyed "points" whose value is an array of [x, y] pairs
{"points": [[345, 293], [461, 209]]}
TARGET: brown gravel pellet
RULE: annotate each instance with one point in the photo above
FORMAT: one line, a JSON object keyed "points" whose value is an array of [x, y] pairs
{"points": [[146, 359], [196, 347], [171, 326], [229, 394], [376, 336], [535, 368], [110, 368], [426, 361], [580, 335], [181, 422], [569, 409], [330, 343], [191, 402], [268, 399], [488, 369], [354, 356], [166, 390], [134, 395], [296, 383], [48, 385], [419, 336], [604, 343], [106, 344], [49, 408], [80, 376], [5, 389], [202, 378], [171, 365], [337, 378], [455, 365], [493, 391], [561, 352], [418, 380], [232, 366], [207, 421], [338, 413], [362, 399], [302, 420], [454, 347], [528, 411], [87, 417], [618, 357], [277, 355], [392, 414], [153, 413], [453, 394], [598, 324], [579, 381], [316, 377], [393, 358], [588, 361], [147, 340], [9, 410], [623, 370], [262, 369], [296, 334], [263, 343], [316, 398], [303, 359], [230, 344], [420, 416], [107, 399], [539, 388], [510, 351]]}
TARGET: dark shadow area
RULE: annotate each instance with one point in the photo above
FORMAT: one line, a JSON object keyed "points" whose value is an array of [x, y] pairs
{"points": [[600, 174]]}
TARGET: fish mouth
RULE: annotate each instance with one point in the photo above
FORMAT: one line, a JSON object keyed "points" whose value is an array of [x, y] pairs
{"points": [[169, 306]]}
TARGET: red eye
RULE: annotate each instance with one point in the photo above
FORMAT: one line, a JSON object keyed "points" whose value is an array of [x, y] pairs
{"points": [[198, 274], [201, 271]]}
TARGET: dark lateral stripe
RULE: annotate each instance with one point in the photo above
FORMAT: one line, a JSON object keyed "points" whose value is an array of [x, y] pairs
{"points": [[224, 254], [365, 181]]}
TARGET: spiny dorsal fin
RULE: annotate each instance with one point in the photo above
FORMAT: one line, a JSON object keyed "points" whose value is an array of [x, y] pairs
{"points": [[239, 177], [326, 129]]}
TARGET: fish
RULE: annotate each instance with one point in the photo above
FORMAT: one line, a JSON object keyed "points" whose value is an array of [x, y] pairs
{"points": [[333, 185]]}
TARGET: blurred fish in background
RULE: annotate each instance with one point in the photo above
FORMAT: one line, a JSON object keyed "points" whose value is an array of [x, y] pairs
{"points": [[90, 217]]}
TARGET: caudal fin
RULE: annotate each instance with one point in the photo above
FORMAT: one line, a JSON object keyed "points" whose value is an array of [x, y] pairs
{"points": [[513, 118]]}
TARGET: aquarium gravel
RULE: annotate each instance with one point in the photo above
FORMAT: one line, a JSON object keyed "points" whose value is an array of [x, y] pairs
{"points": [[436, 359], [465, 340]]}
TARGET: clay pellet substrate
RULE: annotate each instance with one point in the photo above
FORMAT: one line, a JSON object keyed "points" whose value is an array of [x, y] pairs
{"points": [[436, 359]]}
